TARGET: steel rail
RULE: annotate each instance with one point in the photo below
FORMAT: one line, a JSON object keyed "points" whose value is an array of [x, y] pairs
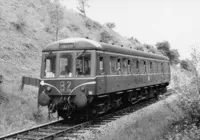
{"points": [[49, 131], [31, 129]]}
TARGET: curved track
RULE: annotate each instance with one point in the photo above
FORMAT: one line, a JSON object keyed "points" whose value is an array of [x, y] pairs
{"points": [[59, 129]]}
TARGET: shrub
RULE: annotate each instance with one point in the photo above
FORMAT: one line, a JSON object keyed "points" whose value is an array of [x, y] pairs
{"points": [[110, 25], [106, 37], [20, 24], [185, 64]]}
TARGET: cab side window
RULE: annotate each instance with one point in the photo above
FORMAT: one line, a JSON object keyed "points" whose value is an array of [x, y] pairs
{"points": [[83, 64]]}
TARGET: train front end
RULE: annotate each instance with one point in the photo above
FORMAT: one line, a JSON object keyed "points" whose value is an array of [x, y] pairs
{"points": [[67, 79]]}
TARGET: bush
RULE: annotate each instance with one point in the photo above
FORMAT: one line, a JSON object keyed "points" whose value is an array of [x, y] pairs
{"points": [[189, 102], [110, 25], [105, 37], [92, 24], [185, 65], [20, 24]]}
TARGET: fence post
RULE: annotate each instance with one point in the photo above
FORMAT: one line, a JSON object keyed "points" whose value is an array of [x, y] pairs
{"points": [[1, 79]]}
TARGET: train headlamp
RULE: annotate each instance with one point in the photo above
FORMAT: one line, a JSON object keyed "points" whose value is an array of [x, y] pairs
{"points": [[49, 88], [82, 88], [90, 92]]}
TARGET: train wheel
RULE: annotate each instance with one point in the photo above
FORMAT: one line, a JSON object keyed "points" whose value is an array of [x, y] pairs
{"points": [[151, 92], [133, 97]]}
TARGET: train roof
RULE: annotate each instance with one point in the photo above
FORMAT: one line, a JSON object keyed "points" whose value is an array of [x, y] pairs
{"points": [[87, 44]]}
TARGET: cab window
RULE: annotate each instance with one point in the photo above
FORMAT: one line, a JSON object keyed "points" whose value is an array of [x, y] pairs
{"points": [[83, 64], [50, 66], [66, 65]]}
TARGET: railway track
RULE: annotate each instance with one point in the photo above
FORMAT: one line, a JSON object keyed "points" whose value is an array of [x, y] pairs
{"points": [[59, 129]]}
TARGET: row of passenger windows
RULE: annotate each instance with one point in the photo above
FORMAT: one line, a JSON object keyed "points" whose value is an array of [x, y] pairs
{"points": [[133, 66]]}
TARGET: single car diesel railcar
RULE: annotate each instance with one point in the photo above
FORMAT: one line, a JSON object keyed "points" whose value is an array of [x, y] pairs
{"points": [[82, 77]]}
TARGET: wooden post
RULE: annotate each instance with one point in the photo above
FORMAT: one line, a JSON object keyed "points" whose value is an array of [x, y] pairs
{"points": [[1, 79]]}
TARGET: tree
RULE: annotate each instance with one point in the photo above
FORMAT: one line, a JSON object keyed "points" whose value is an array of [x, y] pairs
{"points": [[164, 48], [105, 37], [196, 65], [110, 25], [82, 5], [174, 56], [56, 14]]}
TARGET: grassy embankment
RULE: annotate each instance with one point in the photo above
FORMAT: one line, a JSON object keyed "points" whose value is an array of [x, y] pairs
{"points": [[188, 100]]}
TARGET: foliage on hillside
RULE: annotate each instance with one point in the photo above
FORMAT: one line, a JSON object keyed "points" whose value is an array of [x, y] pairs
{"points": [[172, 54], [28, 25]]}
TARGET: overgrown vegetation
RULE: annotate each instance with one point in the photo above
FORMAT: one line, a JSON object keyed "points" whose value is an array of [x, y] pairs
{"points": [[189, 102], [172, 54], [105, 37], [20, 23], [18, 112]]}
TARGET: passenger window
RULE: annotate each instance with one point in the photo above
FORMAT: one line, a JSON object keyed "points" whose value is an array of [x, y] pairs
{"points": [[145, 67], [83, 64], [150, 67], [119, 66], [155, 67], [113, 65], [66, 65], [133, 67], [137, 66], [129, 67], [50, 66], [101, 69], [125, 66], [141, 67], [162, 68], [159, 68]]}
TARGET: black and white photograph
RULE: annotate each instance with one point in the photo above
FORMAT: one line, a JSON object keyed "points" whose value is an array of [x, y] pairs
{"points": [[99, 70]]}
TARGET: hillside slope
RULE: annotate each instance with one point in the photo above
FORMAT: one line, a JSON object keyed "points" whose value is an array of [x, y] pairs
{"points": [[23, 33], [24, 30]]}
